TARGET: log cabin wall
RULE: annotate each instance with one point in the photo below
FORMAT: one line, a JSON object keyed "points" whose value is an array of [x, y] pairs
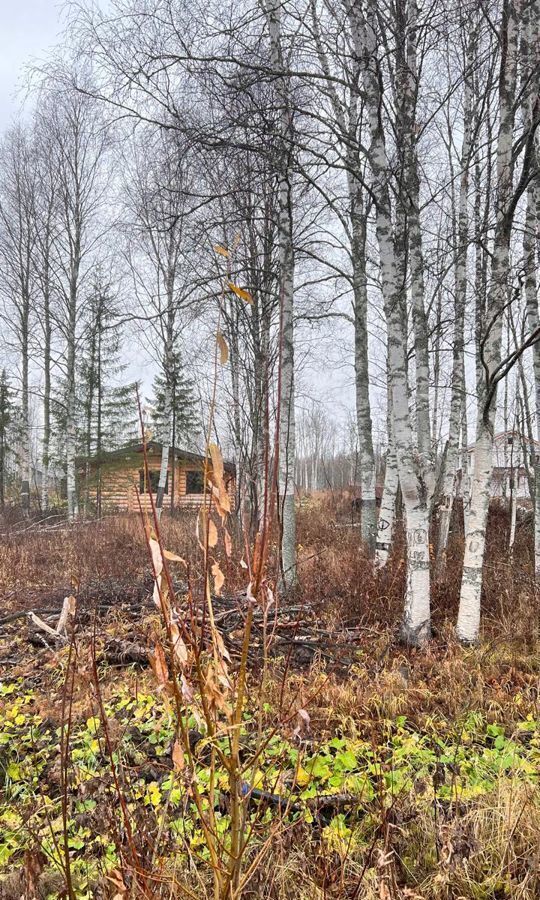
{"points": [[121, 480]]}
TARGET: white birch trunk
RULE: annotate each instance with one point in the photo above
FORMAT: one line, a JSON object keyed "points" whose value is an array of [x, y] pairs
{"points": [[533, 319], [366, 455], [287, 447], [475, 537], [411, 196], [25, 411], [167, 396], [457, 397], [513, 516], [45, 451], [531, 237], [416, 619], [468, 623], [71, 425], [387, 512], [348, 123], [465, 476]]}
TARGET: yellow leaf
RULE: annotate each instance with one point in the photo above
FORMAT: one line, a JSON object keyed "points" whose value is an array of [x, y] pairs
{"points": [[221, 250], [302, 777], [257, 780], [228, 542], [223, 348], [240, 292]]}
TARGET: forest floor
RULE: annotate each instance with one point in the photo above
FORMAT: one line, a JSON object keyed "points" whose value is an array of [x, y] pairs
{"points": [[379, 772]]}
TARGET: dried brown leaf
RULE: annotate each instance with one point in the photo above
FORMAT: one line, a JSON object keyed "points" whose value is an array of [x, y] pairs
{"points": [[303, 722], [219, 578], [217, 463], [212, 533], [155, 550], [173, 557], [215, 696], [240, 292], [223, 348], [200, 527], [221, 646], [179, 647], [178, 756], [159, 665], [187, 690], [218, 479]]}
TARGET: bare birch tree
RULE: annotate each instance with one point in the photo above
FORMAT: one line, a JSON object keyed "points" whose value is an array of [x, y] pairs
{"points": [[458, 394], [18, 238], [161, 246], [507, 195], [284, 172], [413, 479], [343, 121], [78, 143]]}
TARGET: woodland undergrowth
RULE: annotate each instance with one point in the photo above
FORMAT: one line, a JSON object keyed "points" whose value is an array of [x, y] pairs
{"points": [[412, 775]]}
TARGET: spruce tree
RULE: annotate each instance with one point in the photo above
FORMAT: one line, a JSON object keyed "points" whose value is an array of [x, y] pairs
{"points": [[106, 410], [174, 408], [11, 429], [183, 418], [106, 413]]}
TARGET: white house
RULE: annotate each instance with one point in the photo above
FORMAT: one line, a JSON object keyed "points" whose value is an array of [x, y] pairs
{"points": [[513, 455]]}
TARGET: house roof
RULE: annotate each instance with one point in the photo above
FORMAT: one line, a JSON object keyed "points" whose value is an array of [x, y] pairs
{"points": [[517, 434], [154, 447]]}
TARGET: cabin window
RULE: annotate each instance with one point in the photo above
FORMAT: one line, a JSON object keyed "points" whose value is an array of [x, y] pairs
{"points": [[150, 484], [510, 441], [194, 481]]}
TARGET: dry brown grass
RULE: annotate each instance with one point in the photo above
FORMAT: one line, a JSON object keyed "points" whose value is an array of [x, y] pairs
{"points": [[336, 573], [486, 850], [489, 852]]}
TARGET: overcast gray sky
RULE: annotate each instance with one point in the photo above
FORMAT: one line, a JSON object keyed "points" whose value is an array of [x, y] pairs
{"points": [[29, 29]]}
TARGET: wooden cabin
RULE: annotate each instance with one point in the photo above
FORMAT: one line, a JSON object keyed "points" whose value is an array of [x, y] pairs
{"points": [[117, 479], [514, 457]]}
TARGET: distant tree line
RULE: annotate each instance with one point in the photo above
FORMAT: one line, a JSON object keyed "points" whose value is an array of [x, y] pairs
{"points": [[285, 177]]}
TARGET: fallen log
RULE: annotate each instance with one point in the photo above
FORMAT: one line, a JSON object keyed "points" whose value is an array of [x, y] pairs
{"points": [[325, 806], [124, 653]]}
